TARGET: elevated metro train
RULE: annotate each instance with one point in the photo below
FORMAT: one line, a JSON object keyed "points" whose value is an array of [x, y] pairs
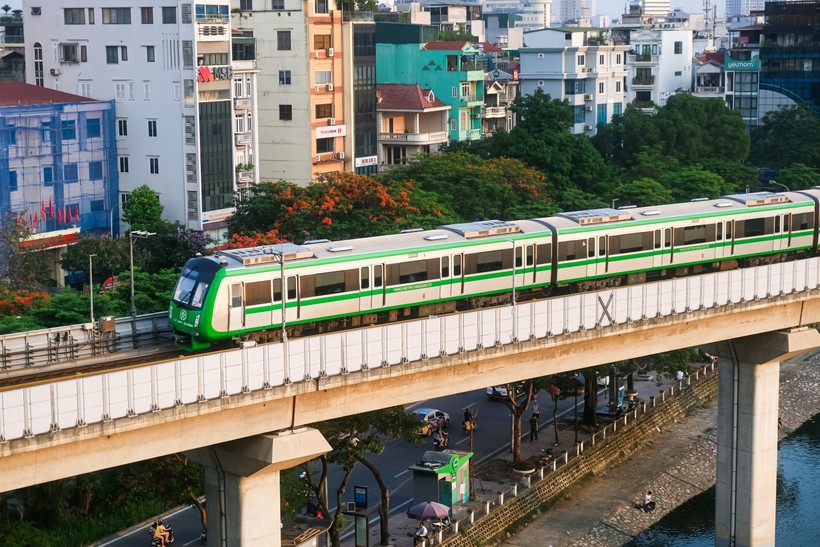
{"points": [[236, 295]]}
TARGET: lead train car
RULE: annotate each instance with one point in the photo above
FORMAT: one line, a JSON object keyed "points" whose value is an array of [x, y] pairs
{"points": [[237, 295]]}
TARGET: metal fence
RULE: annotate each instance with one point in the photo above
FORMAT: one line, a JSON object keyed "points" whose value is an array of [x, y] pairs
{"points": [[40, 409]]}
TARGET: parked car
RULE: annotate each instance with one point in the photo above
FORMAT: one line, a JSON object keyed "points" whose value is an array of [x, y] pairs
{"points": [[431, 419], [500, 392]]}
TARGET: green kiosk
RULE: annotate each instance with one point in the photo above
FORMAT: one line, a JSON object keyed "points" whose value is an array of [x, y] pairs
{"points": [[443, 477]]}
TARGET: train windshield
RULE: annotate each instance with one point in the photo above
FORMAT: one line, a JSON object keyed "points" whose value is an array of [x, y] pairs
{"points": [[193, 284]]}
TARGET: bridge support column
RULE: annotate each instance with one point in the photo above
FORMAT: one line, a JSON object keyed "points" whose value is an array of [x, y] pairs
{"points": [[748, 387], [242, 484]]}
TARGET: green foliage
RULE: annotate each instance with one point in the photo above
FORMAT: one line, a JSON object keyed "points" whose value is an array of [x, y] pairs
{"points": [[799, 176], [787, 136], [143, 210], [643, 192], [111, 256], [24, 264], [692, 182]]}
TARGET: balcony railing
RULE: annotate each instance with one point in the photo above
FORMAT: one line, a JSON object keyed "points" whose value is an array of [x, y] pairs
{"points": [[495, 112], [644, 80], [241, 103], [709, 89], [435, 136], [634, 58], [244, 138]]}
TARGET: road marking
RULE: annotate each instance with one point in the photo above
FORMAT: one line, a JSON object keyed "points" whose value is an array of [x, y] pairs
{"points": [[400, 474], [464, 440]]}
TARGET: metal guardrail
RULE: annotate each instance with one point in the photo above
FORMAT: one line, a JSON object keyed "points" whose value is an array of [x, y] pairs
{"points": [[40, 348], [36, 410]]}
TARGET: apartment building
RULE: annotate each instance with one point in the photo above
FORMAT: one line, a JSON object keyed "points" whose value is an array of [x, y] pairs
{"points": [[580, 66], [659, 63]]}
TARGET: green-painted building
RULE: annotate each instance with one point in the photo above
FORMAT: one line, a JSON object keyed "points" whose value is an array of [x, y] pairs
{"points": [[411, 54]]}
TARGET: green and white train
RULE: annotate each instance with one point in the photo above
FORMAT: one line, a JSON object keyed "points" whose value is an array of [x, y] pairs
{"points": [[236, 295]]}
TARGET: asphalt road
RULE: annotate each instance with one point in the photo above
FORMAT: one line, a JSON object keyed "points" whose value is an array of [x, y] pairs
{"points": [[492, 436]]}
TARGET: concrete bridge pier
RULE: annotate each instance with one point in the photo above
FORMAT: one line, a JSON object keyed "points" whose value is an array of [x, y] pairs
{"points": [[748, 387], [242, 484]]}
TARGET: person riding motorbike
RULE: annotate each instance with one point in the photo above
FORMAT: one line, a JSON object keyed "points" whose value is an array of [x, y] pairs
{"points": [[162, 533], [440, 439]]}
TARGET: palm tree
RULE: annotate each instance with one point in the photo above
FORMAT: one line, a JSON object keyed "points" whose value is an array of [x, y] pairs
{"points": [[6, 8]]}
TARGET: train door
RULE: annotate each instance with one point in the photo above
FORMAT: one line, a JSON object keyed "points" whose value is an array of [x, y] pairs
{"points": [[292, 304], [366, 289], [378, 299], [529, 261], [657, 249], [446, 277], [592, 258], [456, 281], [236, 314]]}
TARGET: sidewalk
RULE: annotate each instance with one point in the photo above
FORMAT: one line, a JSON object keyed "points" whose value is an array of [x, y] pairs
{"points": [[494, 474]]}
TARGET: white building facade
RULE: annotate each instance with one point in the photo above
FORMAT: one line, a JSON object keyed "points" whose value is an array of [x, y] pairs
{"points": [[168, 67], [743, 7], [660, 64], [581, 67]]}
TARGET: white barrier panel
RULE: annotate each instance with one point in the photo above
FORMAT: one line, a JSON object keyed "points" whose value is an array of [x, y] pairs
{"points": [[65, 404]]}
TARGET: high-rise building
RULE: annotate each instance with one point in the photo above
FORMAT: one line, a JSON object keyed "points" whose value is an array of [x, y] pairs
{"points": [[743, 7], [167, 65], [656, 7]]}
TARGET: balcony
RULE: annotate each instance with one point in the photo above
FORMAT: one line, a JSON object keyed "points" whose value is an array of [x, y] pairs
{"points": [[632, 58], [243, 64], [415, 138], [244, 178], [242, 103], [495, 112], [242, 139], [213, 31], [643, 81]]}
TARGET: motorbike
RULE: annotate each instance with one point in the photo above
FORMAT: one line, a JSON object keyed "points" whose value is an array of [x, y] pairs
{"points": [[157, 542], [546, 457], [469, 424], [441, 440]]}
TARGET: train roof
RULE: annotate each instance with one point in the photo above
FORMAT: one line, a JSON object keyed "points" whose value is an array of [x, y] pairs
{"points": [[478, 232], [699, 208]]}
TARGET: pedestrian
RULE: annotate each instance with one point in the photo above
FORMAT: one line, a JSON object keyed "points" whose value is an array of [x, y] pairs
{"points": [[533, 428], [536, 410], [679, 376]]}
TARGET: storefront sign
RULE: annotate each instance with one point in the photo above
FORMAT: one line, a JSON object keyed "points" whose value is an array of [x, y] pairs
{"points": [[750, 64], [211, 73], [367, 161], [216, 216], [331, 131]]}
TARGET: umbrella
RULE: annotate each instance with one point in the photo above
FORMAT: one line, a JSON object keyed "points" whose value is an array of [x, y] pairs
{"points": [[428, 510]]}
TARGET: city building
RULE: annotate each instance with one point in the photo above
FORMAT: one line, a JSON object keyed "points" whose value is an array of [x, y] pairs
{"points": [[360, 100], [300, 55], [659, 63], [656, 7], [58, 161], [168, 68], [583, 67], [743, 7], [245, 92], [411, 120], [500, 91], [450, 69]]}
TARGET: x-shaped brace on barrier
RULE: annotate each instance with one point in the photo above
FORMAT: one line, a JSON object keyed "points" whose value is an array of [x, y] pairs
{"points": [[605, 309]]}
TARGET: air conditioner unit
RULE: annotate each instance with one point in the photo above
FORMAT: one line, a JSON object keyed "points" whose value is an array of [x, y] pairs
{"points": [[588, 128], [588, 97], [330, 52], [330, 87], [331, 121], [318, 88], [589, 109], [315, 54], [340, 155], [318, 158], [55, 72]]}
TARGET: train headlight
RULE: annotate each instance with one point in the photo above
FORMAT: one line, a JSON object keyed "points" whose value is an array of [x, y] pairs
{"points": [[170, 311], [196, 321]]}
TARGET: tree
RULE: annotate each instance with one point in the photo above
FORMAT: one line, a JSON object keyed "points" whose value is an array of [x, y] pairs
{"points": [[643, 192], [143, 210], [353, 437], [6, 9], [799, 176], [111, 256], [787, 136], [22, 264], [692, 182]]}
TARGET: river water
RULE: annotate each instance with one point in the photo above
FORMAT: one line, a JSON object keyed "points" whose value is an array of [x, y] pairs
{"points": [[798, 492]]}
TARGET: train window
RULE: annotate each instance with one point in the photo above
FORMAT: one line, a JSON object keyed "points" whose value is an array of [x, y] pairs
{"points": [[413, 272], [518, 253], [802, 221], [692, 235], [601, 246], [291, 285], [591, 247], [325, 283], [543, 254], [529, 255], [377, 275], [667, 237], [257, 293], [777, 224], [488, 261], [277, 290], [630, 243], [365, 278], [457, 266], [751, 227], [719, 231], [657, 239], [445, 266], [236, 295], [571, 250], [787, 223]]}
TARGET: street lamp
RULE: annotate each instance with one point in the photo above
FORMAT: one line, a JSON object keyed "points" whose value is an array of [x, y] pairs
{"points": [[140, 234], [111, 218], [778, 184], [91, 286], [614, 201]]}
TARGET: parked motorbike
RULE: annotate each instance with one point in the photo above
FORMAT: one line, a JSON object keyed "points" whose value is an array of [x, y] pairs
{"points": [[546, 457]]}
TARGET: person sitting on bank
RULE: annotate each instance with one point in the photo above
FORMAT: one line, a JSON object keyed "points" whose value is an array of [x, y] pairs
{"points": [[421, 533]]}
